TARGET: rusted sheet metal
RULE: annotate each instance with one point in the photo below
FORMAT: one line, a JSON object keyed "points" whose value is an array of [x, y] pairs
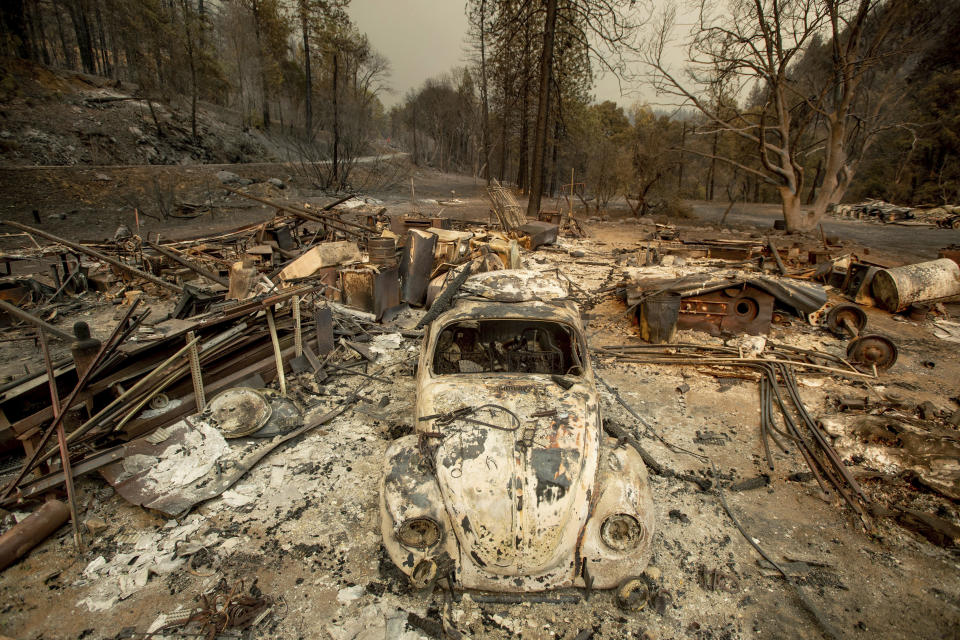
{"points": [[370, 290], [33, 530], [896, 289], [383, 251], [416, 265], [732, 311], [857, 284], [508, 475], [540, 233], [801, 298], [323, 322]]}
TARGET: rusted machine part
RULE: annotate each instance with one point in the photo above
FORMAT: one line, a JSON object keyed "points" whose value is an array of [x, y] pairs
{"points": [[846, 320], [633, 594], [84, 348], [416, 265], [24, 536], [872, 350], [896, 289], [99, 256], [17, 312], [859, 280], [747, 310]]}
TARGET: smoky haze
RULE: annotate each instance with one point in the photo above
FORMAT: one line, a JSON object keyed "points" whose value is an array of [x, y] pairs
{"points": [[423, 39]]}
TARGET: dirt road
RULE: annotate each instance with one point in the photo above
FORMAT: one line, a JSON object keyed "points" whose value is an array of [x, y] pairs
{"points": [[907, 243]]}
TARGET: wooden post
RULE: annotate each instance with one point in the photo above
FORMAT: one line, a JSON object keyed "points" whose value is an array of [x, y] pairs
{"points": [[272, 324]]}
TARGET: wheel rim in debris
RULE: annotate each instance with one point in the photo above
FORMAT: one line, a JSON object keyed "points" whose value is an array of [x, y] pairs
{"points": [[846, 312], [872, 350], [239, 411]]}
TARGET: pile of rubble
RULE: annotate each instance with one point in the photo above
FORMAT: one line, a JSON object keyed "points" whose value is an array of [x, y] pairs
{"points": [[305, 328], [164, 404], [945, 217]]}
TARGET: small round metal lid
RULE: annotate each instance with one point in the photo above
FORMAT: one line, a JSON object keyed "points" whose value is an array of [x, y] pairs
{"points": [[239, 411]]}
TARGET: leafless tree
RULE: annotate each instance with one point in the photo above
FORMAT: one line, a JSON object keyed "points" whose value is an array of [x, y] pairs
{"points": [[745, 48]]}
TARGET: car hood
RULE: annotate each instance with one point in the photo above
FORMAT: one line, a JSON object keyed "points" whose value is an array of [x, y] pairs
{"points": [[517, 495]]}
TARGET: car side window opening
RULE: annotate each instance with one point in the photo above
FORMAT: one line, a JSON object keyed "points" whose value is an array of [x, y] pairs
{"points": [[507, 346]]}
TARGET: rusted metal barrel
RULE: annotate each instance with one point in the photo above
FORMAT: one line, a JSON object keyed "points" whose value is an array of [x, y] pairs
{"points": [[658, 317], [382, 251], [32, 531], [896, 289]]}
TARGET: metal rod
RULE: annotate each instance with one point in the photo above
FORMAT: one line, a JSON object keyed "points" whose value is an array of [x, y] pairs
{"points": [[96, 254], [89, 424], [297, 332], [776, 256], [62, 442], [209, 275], [195, 373], [17, 312], [309, 215], [63, 286]]}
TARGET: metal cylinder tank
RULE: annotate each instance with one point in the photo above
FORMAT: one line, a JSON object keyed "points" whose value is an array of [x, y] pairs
{"points": [[896, 289]]}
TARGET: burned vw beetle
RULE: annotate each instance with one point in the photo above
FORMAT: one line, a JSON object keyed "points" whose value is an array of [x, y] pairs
{"points": [[507, 483]]}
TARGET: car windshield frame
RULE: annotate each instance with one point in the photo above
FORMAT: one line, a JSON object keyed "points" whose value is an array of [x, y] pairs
{"points": [[578, 344]]}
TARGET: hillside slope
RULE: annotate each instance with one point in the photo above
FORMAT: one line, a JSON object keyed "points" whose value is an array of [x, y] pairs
{"points": [[55, 117]]}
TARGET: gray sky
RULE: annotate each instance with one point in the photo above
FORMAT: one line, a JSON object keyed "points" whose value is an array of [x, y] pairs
{"points": [[425, 38], [420, 38]]}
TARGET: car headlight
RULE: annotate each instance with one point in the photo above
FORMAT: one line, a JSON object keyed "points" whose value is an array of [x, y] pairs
{"points": [[621, 532], [419, 533]]}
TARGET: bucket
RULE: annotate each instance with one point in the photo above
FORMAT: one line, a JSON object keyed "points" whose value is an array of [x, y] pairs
{"points": [[658, 317]]}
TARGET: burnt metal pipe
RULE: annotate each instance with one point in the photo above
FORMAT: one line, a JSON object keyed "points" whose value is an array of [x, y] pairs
{"points": [[898, 288], [33, 530]]}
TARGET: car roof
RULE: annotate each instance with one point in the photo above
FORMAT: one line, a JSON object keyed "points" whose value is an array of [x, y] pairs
{"points": [[564, 311]]}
